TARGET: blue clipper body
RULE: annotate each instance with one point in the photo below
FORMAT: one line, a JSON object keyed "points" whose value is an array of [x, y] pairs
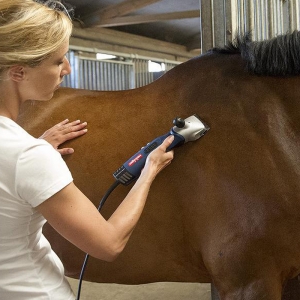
{"points": [[190, 129]]}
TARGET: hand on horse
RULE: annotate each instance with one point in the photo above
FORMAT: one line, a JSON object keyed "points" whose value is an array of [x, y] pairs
{"points": [[159, 158], [63, 132]]}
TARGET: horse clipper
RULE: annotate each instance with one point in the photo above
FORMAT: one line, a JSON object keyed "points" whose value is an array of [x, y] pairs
{"points": [[187, 130]]}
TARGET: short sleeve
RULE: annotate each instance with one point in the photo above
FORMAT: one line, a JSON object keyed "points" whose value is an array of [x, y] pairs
{"points": [[40, 173]]}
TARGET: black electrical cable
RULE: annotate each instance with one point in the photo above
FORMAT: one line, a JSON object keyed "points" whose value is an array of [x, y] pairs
{"points": [[104, 198]]}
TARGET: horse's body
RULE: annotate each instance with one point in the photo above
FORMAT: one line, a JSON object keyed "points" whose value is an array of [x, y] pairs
{"points": [[227, 209]]}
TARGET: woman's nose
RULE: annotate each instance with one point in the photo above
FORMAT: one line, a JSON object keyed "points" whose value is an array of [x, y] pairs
{"points": [[66, 67]]}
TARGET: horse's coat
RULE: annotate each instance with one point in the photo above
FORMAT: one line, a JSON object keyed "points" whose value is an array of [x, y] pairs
{"points": [[227, 209]]}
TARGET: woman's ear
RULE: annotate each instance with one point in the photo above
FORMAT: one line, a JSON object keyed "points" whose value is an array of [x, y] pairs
{"points": [[16, 73]]}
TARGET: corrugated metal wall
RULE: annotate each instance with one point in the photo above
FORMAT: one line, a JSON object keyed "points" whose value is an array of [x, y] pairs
{"points": [[222, 20], [266, 18], [112, 75], [102, 75], [142, 74]]}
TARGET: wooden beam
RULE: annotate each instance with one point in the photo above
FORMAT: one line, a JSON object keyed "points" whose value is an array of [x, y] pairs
{"points": [[127, 40], [139, 19], [194, 43], [119, 50], [116, 10]]}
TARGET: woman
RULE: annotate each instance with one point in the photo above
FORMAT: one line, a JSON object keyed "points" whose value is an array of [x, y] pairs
{"points": [[35, 183]]}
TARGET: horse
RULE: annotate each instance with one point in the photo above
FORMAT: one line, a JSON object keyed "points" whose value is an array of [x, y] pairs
{"points": [[227, 209]]}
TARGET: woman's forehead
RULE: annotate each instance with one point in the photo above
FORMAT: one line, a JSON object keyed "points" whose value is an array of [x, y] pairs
{"points": [[63, 49]]}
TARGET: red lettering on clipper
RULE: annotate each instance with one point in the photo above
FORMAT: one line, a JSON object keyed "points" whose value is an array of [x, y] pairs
{"points": [[136, 159]]}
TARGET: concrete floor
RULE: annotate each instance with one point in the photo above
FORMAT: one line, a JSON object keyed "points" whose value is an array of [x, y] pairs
{"points": [[153, 291]]}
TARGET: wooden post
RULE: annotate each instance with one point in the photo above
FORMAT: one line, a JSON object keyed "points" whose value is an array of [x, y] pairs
{"points": [[215, 23]]}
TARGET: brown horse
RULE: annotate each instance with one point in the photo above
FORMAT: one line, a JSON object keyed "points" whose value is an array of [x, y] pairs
{"points": [[227, 210]]}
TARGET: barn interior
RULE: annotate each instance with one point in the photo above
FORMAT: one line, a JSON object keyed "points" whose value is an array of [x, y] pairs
{"points": [[166, 32]]}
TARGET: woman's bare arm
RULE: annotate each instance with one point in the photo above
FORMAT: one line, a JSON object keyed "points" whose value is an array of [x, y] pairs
{"points": [[76, 218]]}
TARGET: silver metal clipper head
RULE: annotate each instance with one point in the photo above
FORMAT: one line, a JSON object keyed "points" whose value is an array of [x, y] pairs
{"points": [[191, 128]]}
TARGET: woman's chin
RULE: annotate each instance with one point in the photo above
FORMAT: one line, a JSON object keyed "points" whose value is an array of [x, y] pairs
{"points": [[44, 98]]}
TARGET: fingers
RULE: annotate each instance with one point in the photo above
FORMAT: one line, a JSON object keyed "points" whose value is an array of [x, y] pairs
{"points": [[159, 158], [67, 127], [65, 151], [167, 142], [72, 130], [162, 149], [62, 123], [64, 131]]}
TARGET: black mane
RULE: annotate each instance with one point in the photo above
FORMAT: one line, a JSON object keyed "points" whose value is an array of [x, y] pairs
{"points": [[279, 56]]}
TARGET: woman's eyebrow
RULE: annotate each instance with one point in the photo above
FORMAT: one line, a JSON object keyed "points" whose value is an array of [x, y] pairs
{"points": [[64, 55]]}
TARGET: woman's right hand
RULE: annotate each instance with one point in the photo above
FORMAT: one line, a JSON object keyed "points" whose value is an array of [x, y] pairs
{"points": [[158, 159]]}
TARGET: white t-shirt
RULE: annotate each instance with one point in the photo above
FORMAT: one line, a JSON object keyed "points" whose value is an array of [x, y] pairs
{"points": [[31, 171]]}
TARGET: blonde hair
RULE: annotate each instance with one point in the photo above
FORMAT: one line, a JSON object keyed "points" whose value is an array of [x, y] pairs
{"points": [[30, 31]]}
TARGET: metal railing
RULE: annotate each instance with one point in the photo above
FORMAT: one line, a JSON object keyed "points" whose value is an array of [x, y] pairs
{"points": [[223, 20]]}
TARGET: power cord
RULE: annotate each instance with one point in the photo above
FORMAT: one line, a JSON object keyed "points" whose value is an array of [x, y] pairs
{"points": [[104, 198]]}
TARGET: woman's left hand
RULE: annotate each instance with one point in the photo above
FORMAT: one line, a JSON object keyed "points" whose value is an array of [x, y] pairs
{"points": [[63, 132]]}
